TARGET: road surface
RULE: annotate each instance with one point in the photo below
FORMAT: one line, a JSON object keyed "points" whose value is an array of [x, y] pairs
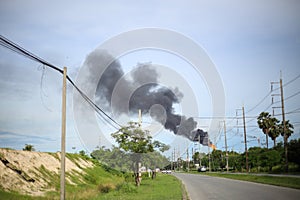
{"points": [[208, 188]]}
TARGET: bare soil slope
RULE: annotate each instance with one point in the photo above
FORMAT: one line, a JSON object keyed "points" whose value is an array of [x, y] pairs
{"points": [[31, 172]]}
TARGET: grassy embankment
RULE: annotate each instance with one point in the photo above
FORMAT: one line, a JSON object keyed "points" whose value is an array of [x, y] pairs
{"points": [[103, 183], [291, 182]]}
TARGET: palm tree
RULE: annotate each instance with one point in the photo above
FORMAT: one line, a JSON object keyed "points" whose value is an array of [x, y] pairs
{"points": [[275, 130], [266, 122], [288, 129]]}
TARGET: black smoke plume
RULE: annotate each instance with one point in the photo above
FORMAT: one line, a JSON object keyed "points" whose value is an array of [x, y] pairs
{"points": [[145, 96], [200, 136]]}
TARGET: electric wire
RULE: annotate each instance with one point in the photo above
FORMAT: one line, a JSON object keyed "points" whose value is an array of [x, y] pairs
{"points": [[20, 50], [292, 95], [266, 96], [260, 102], [289, 82]]}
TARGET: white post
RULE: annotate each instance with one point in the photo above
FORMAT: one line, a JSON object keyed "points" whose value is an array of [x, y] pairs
{"points": [[63, 137]]}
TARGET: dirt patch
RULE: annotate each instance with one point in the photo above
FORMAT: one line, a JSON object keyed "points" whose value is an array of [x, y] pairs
{"points": [[30, 172]]}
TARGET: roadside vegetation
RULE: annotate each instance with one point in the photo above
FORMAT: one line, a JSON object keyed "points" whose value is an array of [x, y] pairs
{"points": [[291, 182], [105, 183], [260, 160]]}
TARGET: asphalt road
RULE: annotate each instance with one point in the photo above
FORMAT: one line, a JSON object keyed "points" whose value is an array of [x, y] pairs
{"points": [[206, 187]]}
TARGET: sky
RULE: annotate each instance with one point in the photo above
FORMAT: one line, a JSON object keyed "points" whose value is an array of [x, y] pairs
{"points": [[248, 42]]}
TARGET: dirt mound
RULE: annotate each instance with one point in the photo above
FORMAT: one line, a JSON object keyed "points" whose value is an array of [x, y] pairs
{"points": [[33, 173]]}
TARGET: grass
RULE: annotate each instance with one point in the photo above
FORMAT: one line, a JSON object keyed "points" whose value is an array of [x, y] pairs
{"points": [[14, 196], [162, 187], [108, 188], [291, 182]]}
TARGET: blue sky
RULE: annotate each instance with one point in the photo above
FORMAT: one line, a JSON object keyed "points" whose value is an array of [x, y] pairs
{"points": [[248, 41]]}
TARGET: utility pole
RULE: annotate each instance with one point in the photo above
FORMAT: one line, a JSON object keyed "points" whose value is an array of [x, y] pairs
{"points": [[209, 163], [173, 158], [63, 137], [227, 167], [178, 156], [245, 139], [284, 128], [187, 160], [140, 117], [139, 165], [285, 138]]}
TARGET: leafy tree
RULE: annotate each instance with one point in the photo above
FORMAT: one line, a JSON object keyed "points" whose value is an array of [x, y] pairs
{"points": [[217, 159], [270, 158], [254, 159], [196, 157], [28, 147], [294, 151], [82, 153], [235, 160], [154, 160], [266, 122], [115, 158], [161, 146], [137, 142]]}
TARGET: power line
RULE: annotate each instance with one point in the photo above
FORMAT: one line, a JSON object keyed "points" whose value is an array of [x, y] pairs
{"points": [[289, 82], [260, 102], [20, 50], [265, 97], [292, 95]]}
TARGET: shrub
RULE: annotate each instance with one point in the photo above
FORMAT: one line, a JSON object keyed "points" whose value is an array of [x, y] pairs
{"points": [[106, 187]]}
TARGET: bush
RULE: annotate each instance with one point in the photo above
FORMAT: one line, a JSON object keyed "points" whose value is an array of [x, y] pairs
{"points": [[106, 187], [28, 147], [127, 188]]}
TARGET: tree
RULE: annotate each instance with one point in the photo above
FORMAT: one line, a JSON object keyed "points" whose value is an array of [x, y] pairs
{"points": [[294, 151], [82, 153], [28, 147], [114, 157], [137, 142], [161, 146], [274, 131], [255, 158], [270, 158], [286, 131], [266, 122]]}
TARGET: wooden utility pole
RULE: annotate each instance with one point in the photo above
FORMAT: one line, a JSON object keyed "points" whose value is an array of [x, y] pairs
{"points": [[245, 139], [284, 128], [172, 160], [187, 159], [193, 156], [139, 165], [227, 167], [63, 137], [178, 156], [140, 117], [209, 162]]}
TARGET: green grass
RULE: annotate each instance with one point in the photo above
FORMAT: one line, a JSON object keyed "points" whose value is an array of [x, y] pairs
{"points": [[107, 188], [162, 187], [291, 182], [15, 196]]}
